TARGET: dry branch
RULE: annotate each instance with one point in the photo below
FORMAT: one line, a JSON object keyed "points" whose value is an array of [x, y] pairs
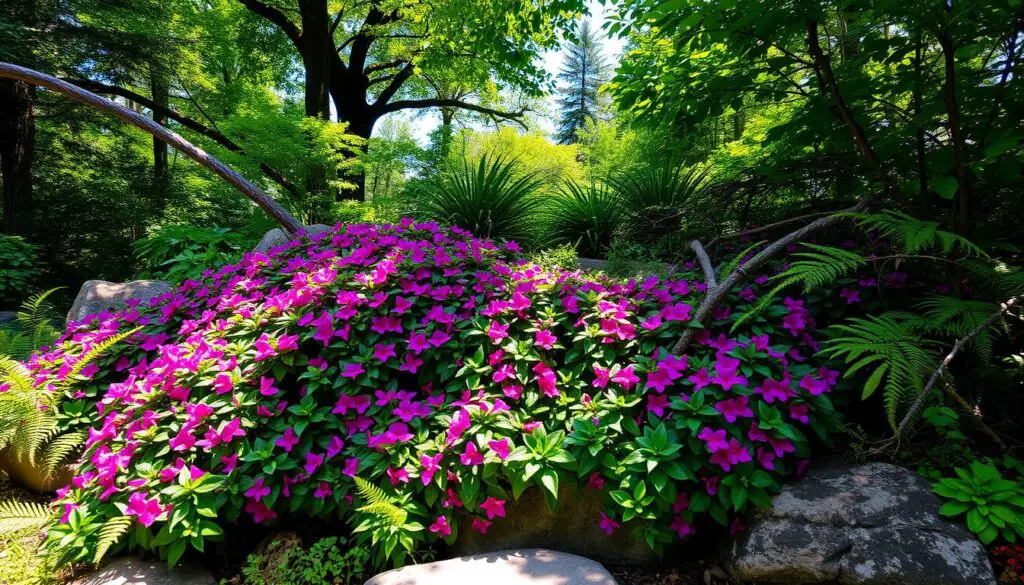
{"points": [[272, 207]]}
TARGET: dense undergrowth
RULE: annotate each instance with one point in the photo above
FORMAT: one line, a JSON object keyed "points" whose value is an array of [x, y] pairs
{"points": [[412, 381]]}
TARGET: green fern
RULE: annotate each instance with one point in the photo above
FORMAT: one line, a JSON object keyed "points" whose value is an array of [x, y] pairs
{"points": [[956, 318], [379, 504], [33, 328], [61, 448], [16, 516], [890, 344], [915, 235], [818, 267], [111, 531]]}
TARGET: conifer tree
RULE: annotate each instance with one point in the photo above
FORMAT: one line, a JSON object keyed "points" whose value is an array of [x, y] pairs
{"points": [[584, 71]]}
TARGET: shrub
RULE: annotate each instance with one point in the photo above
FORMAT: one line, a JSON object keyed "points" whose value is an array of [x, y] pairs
{"points": [[993, 505], [492, 200], [19, 269], [585, 217], [658, 201], [412, 381], [178, 252], [329, 561]]}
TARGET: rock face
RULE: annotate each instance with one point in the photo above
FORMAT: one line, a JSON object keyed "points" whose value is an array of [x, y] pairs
{"points": [[277, 237], [873, 524], [132, 571], [573, 528], [97, 296], [510, 567], [8, 316]]}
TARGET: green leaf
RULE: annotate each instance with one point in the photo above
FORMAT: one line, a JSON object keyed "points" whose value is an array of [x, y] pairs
{"points": [[945, 186]]}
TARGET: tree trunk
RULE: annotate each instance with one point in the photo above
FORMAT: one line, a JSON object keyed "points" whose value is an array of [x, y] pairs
{"points": [[316, 51], [158, 87], [17, 149], [363, 128], [956, 136]]}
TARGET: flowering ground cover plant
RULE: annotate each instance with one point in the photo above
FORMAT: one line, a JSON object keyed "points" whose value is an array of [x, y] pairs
{"points": [[445, 371]]}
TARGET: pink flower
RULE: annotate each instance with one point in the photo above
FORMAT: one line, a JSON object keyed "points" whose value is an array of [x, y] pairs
{"points": [[607, 524], [229, 463], [799, 412], [481, 525], [313, 462], [813, 385], [733, 408], [440, 527], [497, 332], [701, 378], [595, 481], [626, 378], [417, 343], [353, 371], [223, 383], [258, 491], [439, 338], [334, 446], [323, 490], [545, 339], [351, 467], [714, 439], [472, 456], [267, 387], [681, 527], [383, 352], [733, 454], [494, 508], [459, 425], [500, 448], [148, 510], [259, 511], [397, 476], [430, 467], [288, 440], [601, 376]]}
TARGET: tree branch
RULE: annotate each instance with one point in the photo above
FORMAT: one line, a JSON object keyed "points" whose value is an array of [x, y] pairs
{"points": [[768, 227], [185, 121], [396, 83], [452, 103], [716, 292], [273, 208], [918, 404], [278, 18]]}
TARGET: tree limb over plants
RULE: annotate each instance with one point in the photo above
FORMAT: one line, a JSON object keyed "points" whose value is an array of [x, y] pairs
{"points": [[267, 203]]}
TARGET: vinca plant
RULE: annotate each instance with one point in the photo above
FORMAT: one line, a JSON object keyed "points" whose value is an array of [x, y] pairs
{"points": [[413, 381]]}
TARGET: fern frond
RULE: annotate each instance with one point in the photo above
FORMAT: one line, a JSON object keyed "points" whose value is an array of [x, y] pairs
{"points": [[37, 310], [915, 235], [821, 266], [739, 258], [60, 448], [15, 375], [16, 516], [98, 349], [891, 346], [958, 317], [111, 531], [378, 503]]}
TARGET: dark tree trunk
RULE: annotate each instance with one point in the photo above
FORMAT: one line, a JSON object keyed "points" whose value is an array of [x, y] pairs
{"points": [[363, 128], [316, 51], [17, 149], [158, 87]]}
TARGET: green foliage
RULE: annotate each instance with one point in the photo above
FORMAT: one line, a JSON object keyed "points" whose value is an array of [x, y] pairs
{"points": [[180, 252], [993, 505], [585, 217], [16, 516], [492, 200], [32, 328], [559, 257], [661, 200], [890, 346], [329, 561], [20, 268], [915, 235]]}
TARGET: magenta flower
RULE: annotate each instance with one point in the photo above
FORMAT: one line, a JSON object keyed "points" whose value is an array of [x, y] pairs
{"points": [[701, 378], [657, 403], [497, 332], [334, 446], [494, 508], [417, 343], [500, 448], [258, 490], [472, 456], [267, 387], [430, 467], [545, 339], [351, 467], [460, 424], [608, 524], [439, 338], [800, 412], [733, 408], [626, 378], [714, 439], [440, 527], [223, 383], [313, 462], [353, 371], [259, 511], [229, 463], [681, 527], [147, 510], [383, 352], [288, 440], [732, 454], [595, 481], [480, 525], [813, 385], [397, 476], [323, 490]]}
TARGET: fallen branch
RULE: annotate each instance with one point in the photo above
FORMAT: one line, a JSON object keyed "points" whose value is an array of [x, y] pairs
{"points": [[918, 404], [716, 291], [273, 208], [973, 416], [768, 227]]}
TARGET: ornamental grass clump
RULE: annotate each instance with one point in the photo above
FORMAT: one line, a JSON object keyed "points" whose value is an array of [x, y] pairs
{"points": [[413, 381]]}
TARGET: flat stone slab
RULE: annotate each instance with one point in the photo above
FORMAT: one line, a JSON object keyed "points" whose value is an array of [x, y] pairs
{"points": [[97, 296], [536, 566], [133, 571], [871, 524]]}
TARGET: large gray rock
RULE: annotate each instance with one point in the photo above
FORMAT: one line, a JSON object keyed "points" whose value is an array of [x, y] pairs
{"points": [[572, 527], [277, 237], [872, 524], [97, 296], [132, 571], [8, 317], [510, 567]]}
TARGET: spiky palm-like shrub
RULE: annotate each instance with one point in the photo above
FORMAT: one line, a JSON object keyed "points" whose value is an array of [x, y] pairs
{"points": [[661, 200], [492, 199], [585, 217]]}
